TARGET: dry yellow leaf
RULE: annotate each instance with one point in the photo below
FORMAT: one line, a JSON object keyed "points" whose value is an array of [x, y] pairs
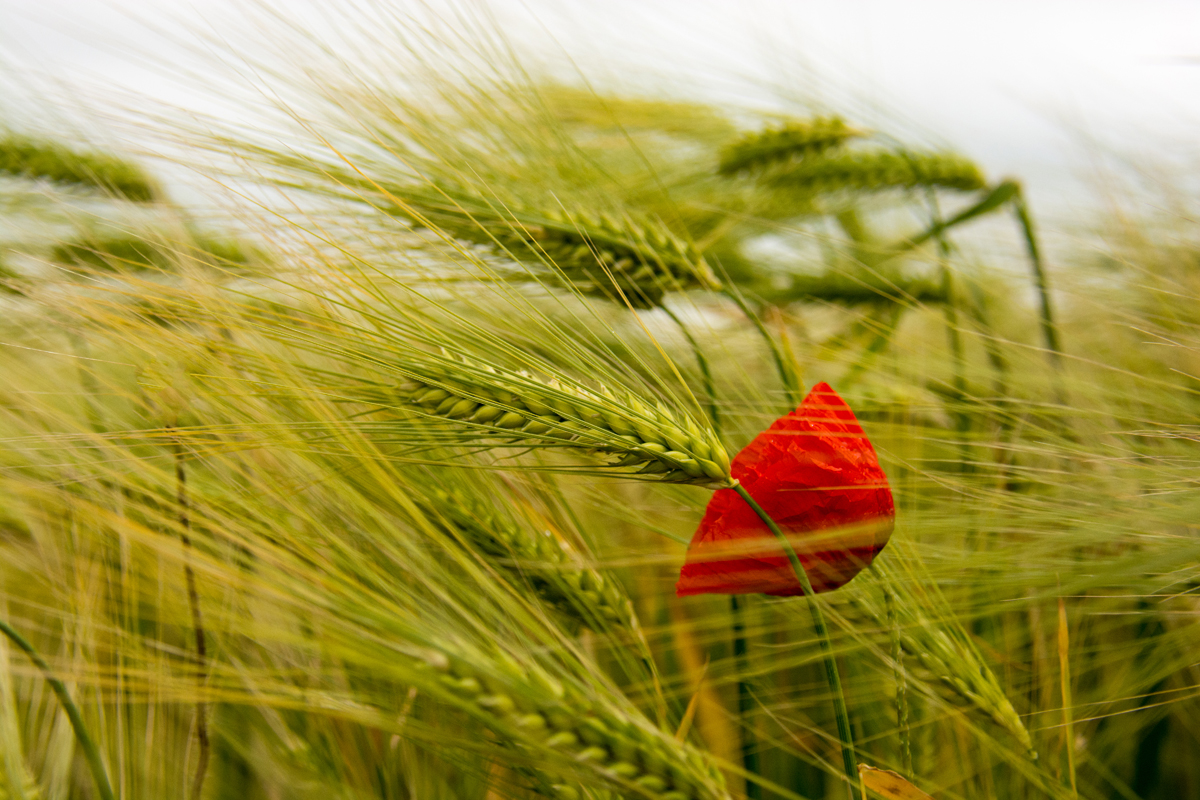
{"points": [[889, 785]]}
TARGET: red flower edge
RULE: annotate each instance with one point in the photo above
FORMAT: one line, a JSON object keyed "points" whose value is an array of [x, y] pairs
{"points": [[815, 473]]}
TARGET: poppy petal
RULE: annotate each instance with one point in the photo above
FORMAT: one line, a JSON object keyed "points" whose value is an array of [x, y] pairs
{"points": [[815, 473]]}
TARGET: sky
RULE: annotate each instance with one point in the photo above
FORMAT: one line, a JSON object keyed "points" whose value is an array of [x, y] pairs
{"points": [[1032, 89]]}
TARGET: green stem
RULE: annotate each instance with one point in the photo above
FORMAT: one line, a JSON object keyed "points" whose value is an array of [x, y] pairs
{"points": [[90, 751], [185, 528], [1008, 191], [996, 197], [749, 742], [710, 390], [787, 375], [977, 311], [1004, 418], [902, 723], [1049, 332], [962, 420], [886, 324], [831, 668]]}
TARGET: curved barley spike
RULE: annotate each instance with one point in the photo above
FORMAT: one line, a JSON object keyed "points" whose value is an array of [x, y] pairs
{"points": [[880, 170], [943, 648], [790, 141], [545, 563], [628, 259], [539, 713], [628, 434]]}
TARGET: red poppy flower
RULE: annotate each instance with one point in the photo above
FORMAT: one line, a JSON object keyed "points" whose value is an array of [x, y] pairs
{"points": [[814, 472]]}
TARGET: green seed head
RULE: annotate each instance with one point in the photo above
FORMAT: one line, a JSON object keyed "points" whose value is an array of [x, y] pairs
{"points": [[621, 257], [791, 141], [880, 170], [648, 439]]}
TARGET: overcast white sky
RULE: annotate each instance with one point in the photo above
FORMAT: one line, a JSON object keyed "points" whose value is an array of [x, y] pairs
{"points": [[1015, 84]]}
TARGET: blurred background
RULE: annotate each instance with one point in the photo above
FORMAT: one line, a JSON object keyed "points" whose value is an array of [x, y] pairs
{"points": [[1057, 92]]}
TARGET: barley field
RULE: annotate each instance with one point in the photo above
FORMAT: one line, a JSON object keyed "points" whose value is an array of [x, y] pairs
{"points": [[376, 473]]}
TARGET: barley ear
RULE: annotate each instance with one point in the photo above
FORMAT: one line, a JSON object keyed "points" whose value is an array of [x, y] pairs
{"points": [[630, 436], [627, 258], [544, 563], [790, 141], [27, 157], [945, 649], [880, 170], [542, 716]]}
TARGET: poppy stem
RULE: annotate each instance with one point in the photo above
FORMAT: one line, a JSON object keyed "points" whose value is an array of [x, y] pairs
{"points": [[831, 668]]}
